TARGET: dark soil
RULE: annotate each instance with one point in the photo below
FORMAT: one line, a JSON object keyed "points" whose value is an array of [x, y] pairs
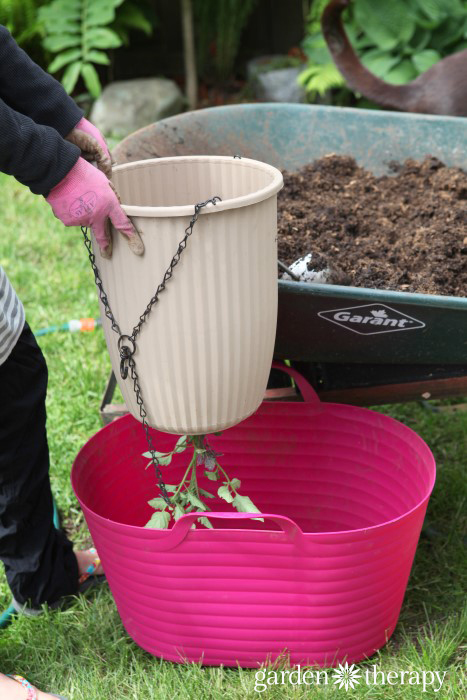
{"points": [[404, 231]]}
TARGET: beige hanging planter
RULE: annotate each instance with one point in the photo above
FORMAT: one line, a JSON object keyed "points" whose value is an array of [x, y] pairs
{"points": [[204, 354]]}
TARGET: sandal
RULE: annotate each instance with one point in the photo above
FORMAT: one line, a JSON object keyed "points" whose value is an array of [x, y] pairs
{"points": [[89, 578], [85, 581], [32, 692]]}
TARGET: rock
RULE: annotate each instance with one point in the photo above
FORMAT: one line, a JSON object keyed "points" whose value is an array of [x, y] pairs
{"points": [[273, 82], [127, 105]]}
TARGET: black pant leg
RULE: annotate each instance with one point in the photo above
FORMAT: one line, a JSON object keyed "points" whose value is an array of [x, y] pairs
{"points": [[39, 562]]}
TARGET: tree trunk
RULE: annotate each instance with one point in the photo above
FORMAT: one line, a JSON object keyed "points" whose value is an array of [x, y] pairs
{"points": [[191, 80]]}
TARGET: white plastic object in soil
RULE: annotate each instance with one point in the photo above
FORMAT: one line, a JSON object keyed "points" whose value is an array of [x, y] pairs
{"points": [[303, 268]]}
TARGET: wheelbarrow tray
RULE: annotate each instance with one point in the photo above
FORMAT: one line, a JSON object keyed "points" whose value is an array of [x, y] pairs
{"points": [[326, 323]]}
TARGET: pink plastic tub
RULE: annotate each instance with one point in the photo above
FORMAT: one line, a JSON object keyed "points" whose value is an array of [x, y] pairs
{"points": [[321, 580]]}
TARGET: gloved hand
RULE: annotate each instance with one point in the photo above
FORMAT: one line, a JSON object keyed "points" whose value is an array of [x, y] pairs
{"points": [[86, 198], [92, 144]]}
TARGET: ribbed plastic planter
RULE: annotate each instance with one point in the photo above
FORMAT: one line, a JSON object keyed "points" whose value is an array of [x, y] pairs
{"points": [[204, 354], [322, 579]]}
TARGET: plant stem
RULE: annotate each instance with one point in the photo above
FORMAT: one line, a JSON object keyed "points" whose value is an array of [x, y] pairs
{"points": [[193, 460], [227, 477]]}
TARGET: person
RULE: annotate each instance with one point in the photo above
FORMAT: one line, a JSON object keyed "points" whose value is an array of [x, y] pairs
{"points": [[48, 145]]}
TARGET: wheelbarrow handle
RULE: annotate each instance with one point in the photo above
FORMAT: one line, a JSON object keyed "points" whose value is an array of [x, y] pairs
{"points": [[183, 525], [308, 393]]}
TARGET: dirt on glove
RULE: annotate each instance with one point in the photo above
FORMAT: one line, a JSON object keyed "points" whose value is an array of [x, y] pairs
{"points": [[404, 231]]}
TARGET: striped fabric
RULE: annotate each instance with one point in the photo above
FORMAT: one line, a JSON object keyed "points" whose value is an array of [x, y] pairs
{"points": [[11, 317]]}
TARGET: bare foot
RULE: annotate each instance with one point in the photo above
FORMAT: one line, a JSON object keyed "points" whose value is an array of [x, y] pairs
{"points": [[86, 558], [12, 690]]}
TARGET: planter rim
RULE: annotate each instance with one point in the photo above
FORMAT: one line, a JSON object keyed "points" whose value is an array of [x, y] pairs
{"points": [[258, 195]]}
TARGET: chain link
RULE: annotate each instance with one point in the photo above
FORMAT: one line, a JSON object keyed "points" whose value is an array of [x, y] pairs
{"points": [[175, 260], [127, 362]]}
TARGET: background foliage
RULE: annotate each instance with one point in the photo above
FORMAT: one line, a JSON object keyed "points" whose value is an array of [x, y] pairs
{"points": [[395, 39], [218, 26], [81, 32], [20, 18]]}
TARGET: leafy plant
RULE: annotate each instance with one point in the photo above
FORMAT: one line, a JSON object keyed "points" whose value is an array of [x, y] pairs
{"points": [[78, 32], [187, 496], [395, 39], [20, 18], [219, 26]]}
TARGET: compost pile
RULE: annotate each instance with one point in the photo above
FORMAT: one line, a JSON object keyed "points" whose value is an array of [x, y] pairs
{"points": [[404, 231]]}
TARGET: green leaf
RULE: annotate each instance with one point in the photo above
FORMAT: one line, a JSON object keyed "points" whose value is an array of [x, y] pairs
{"points": [[419, 41], [131, 16], [181, 444], [100, 14], [103, 38], [71, 75], [163, 458], [316, 50], [158, 504], [178, 512], [402, 73], [379, 62], [447, 34], [59, 26], [195, 501], [63, 59], [205, 521], [103, 59], [438, 10], [49, 13], [92, 82], [235, 483], [224, 492], [212, 476], [58, 43], [206, 493], [425, 59], [159, 521], [388, 24], [244, 504], [320, 79]]}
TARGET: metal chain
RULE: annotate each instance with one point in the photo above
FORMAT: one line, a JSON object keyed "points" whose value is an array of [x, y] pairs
{"points": [[175, 261], [126, 352]]}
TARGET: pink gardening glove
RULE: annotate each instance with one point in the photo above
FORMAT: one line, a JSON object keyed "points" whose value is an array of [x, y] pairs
{"points": [[86, 198], [93, 147]]}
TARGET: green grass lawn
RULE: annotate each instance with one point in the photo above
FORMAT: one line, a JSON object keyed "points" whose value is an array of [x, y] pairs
{"points": [[84, 652]]}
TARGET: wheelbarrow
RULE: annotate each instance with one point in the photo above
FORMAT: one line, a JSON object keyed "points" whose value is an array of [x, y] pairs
{"points": [[420, 351]]}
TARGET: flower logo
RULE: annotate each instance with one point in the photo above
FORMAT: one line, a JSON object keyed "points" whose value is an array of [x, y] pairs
{"points": [[346, 676]]}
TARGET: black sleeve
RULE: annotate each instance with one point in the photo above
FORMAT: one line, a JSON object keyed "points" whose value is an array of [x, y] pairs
{"points": [[28, 89], [36, 155]]}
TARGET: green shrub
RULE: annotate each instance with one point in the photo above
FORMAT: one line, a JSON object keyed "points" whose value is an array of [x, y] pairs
{"points": [[81, 32], [395, 39], [20, 18], [218, 26]]}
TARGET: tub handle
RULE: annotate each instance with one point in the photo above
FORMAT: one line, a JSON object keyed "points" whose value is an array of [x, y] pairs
{"points": [[308, 393], [182, 526]]}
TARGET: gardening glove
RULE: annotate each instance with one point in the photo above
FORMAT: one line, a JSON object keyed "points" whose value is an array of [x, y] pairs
{"points": [[86, 198], [93, 147]]}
